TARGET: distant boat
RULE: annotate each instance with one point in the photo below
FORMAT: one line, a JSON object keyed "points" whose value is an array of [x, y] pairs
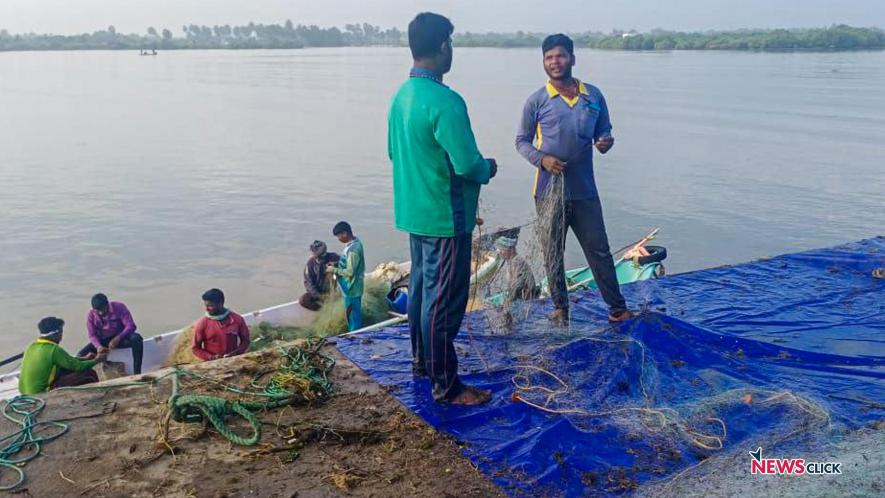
{"points": [[145, 52]]}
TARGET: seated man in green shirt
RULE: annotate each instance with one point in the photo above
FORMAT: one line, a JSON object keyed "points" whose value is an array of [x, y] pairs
{"points": [[47, 366]]}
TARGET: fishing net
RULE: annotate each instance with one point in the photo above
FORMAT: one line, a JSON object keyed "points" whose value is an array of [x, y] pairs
{"points": [[531, 268], [783, 354], [507, 280], [604, 381], [727, 475], [282, 377], [330, 320], [181, 353], [631, 394]]}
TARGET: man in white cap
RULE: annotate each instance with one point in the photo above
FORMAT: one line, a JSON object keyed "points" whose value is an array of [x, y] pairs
{"points": [[519, 279]]}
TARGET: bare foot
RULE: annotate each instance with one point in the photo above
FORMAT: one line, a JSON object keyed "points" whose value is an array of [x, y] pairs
{"points": [[559, 316], [621, 316], [472, 396], [507, 320], [419, 370]]}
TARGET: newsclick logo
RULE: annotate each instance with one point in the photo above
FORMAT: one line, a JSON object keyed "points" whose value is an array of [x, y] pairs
{"points": [[791, 466]]}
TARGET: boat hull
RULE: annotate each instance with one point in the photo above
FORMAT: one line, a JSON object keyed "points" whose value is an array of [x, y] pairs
{"points": [[158, 347], [582, 278]]}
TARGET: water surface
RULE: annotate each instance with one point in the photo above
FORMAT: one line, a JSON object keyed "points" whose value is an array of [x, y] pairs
{"points": [[155, 178]]}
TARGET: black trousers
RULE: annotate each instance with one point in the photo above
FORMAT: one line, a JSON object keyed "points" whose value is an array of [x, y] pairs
{"points": [[309, 302], [67, 378], [134, 341], [584, 217], [439, 285]]}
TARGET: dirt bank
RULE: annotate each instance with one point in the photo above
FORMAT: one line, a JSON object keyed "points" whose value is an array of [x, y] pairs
{"points": [[359, 442]]}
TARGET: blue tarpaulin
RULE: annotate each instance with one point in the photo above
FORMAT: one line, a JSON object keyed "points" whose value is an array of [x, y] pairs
{"points": [[739, 357]]}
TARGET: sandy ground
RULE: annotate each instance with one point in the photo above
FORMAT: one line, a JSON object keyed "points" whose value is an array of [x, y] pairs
{"points": [[360, 442]]}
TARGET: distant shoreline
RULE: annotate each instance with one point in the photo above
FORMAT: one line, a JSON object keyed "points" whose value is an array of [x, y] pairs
{"points": [[837, 38], [659, 51]]}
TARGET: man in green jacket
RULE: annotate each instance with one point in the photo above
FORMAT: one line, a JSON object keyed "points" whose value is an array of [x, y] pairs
{"points": [[351, 272], [437, 174], [46, 365]]}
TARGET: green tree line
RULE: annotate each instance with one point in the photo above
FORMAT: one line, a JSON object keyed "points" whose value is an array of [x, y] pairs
{"points": [[289, 35], [265, 36], [839, 37]]}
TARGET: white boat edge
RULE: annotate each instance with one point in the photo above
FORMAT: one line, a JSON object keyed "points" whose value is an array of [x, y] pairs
{"points": [[158, 347], [291, 314]]}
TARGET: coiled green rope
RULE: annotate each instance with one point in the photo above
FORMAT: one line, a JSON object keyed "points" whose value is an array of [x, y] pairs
{"points": [[303, 377], [194, 408], [23, 446]]}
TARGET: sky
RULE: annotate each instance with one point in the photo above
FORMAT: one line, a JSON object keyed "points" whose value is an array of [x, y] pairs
{"points": [[134, 16]]}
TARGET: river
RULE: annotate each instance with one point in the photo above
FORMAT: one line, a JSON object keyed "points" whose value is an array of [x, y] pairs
{"points": [[155, 178]]}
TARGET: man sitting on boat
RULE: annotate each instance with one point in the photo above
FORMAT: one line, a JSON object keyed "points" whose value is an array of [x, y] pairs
{"points": [[109, 325], [350, 270], [486, 241], [520, 282], [221, 333], [316, 283], [46, 365]]}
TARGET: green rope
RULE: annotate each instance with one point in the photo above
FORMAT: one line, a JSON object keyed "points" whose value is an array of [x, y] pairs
{"points": [[24, 445], [193, 408], [303, 377], [304, 367]]}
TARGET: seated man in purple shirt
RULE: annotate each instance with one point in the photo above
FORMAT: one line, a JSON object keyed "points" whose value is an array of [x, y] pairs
{"points": [[110, 326]]}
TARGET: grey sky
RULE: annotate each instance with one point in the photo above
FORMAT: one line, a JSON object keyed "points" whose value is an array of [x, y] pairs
{"points": [[75, 16]]}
